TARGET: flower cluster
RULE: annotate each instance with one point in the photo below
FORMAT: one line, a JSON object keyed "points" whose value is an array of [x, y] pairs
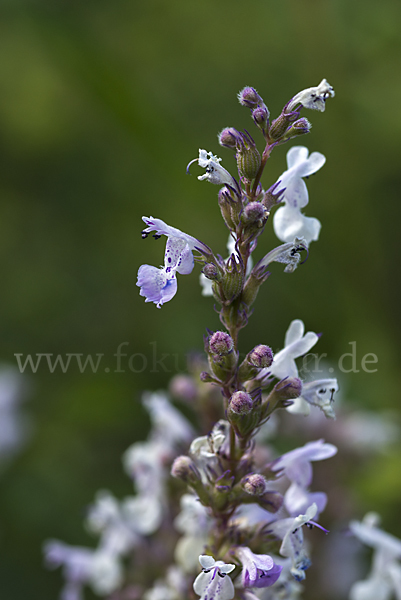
{"points": [[243, 508], [123, 525]]}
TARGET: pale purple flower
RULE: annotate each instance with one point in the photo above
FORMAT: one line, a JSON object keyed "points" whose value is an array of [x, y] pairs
{"points": [[97, 568], [297, 499], [159, 285], [288, 220], [313, 97], [286, 588], [76, 562], [296, 466], [290, 531], [258, 570], [213, 582], [384, 580]]}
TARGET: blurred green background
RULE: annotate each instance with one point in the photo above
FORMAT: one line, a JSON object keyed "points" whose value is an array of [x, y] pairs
{"points": [[102, 105]]}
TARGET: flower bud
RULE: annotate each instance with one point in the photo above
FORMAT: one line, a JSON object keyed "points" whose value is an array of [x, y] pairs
{"points": [[185, 469], [298, 128], [253, 283], [261, 116], [282, 395], [211, 272], [241, 403], [249, 97], [233, 278], [205, 377], [271, 501], [243, 413], [273, 196], [248, 157], [254, 484], [221, 343], [228, 138], [261, 356], [226, 201], [253, 212], [289, 388], [281, 124]]}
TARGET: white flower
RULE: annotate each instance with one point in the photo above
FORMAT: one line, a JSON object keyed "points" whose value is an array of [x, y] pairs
{"points": [[144, 512], [105, 517], [171, 588], [215, 173], [213, 583], [314, 393], [385, 577], [318, 393], [168, 424], [288, 221], [143, 461], [313, 97], [288, 254], [106, 574], [296, 344], [193, 521]]}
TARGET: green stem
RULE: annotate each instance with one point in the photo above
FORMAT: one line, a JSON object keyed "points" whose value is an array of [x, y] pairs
{"points": [[265, 156]]}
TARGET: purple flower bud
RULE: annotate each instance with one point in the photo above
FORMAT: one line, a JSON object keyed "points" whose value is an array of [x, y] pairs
{"points": [[254, 484], [300, 127], [254, 212], [241, 403], [261, 356], [206, 377], [228, 138], [221, 343], [289, 388], [261, 116], [211, 271], [249, 97]]}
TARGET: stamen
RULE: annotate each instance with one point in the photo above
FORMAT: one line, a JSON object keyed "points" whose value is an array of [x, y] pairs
{"points": [[318, 526], [189, 164]]}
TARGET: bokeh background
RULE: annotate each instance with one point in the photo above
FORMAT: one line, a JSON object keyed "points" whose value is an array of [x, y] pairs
{"points": [[102, 105]]}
